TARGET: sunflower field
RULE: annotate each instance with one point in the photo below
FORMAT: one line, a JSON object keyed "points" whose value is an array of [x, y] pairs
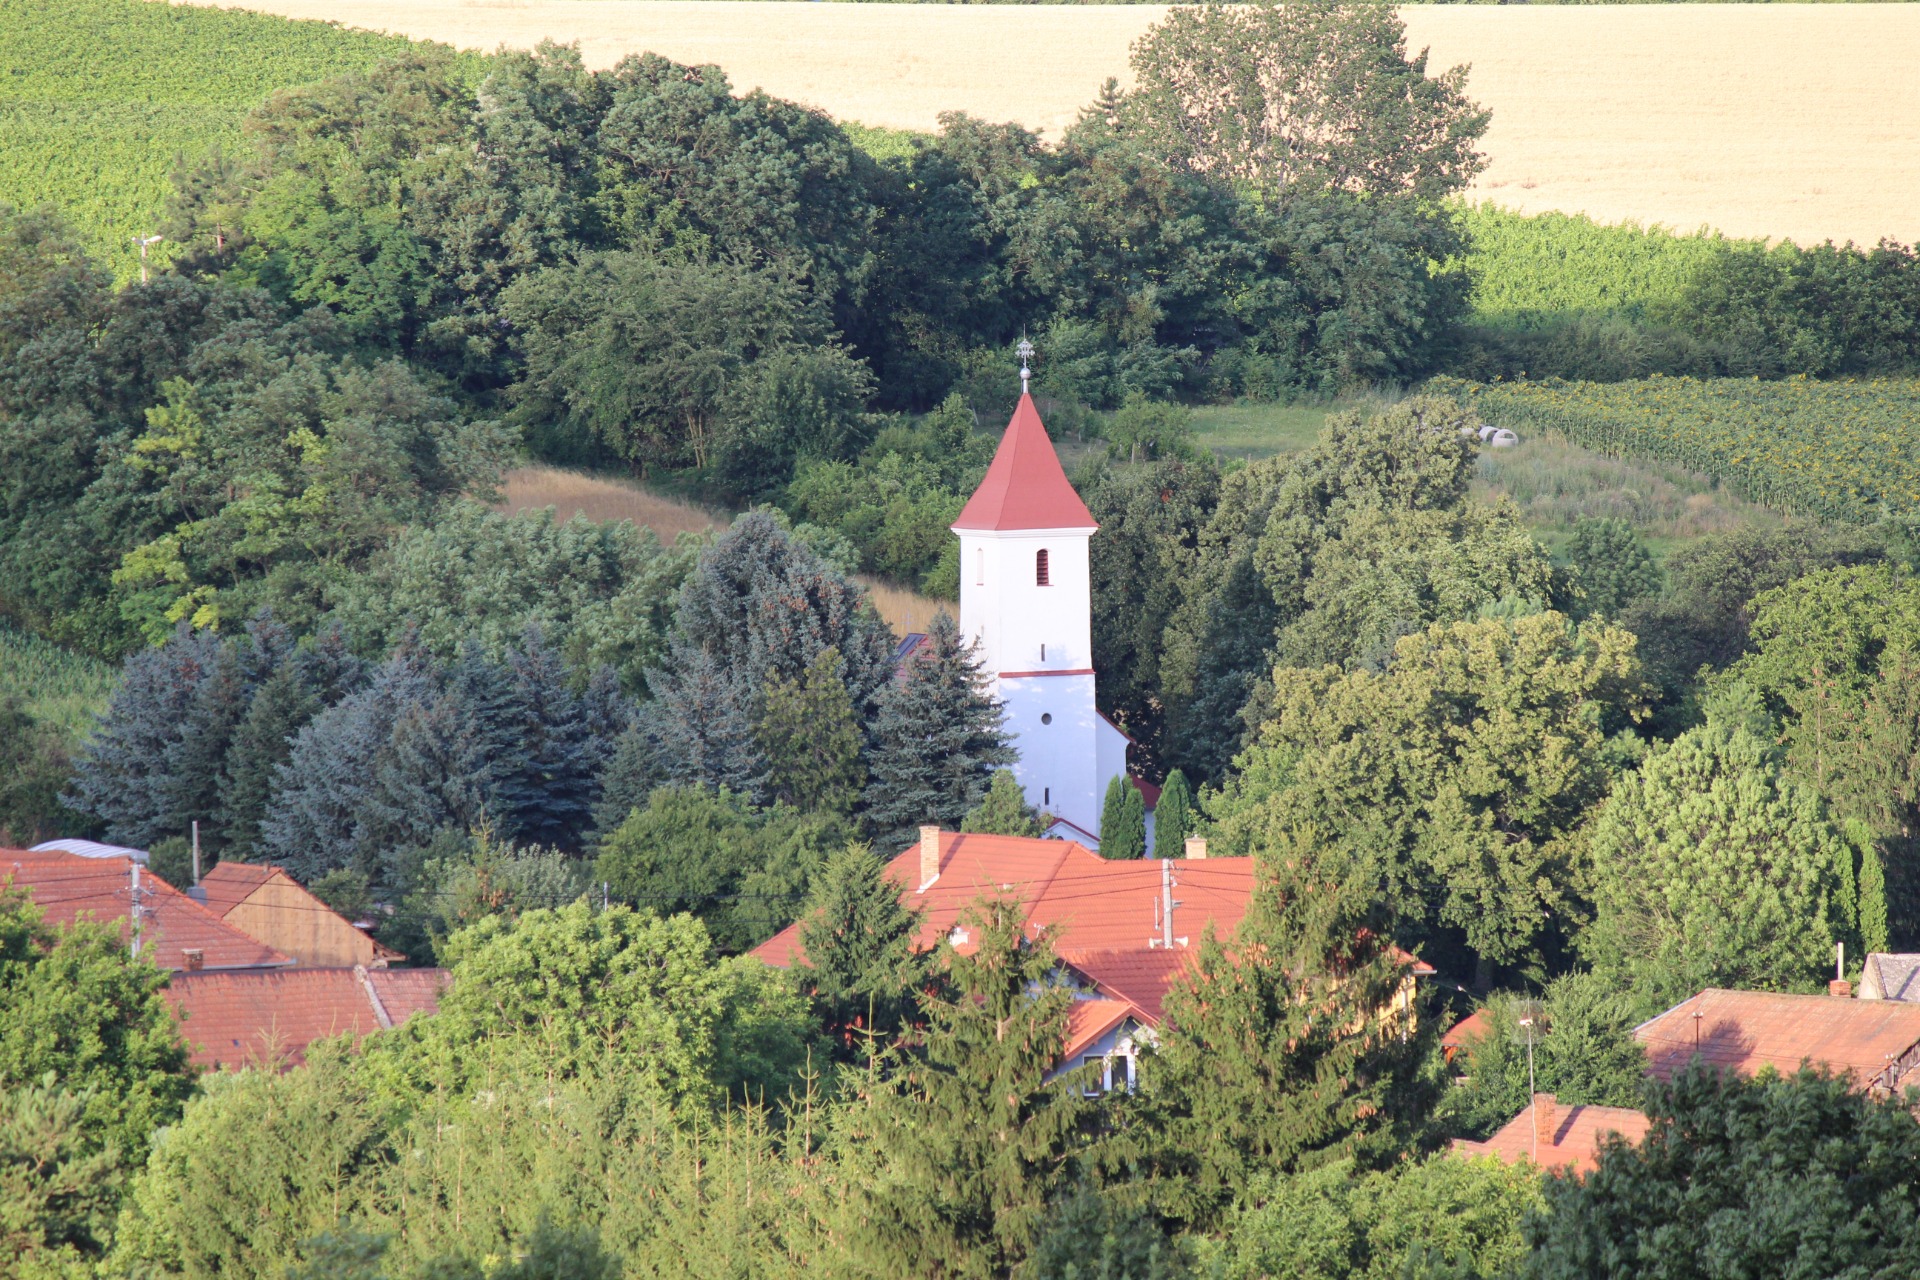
{"points": [[1845, 451]]}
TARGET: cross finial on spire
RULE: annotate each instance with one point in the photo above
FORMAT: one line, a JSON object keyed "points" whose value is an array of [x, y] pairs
{"points": [[1025, 350]]}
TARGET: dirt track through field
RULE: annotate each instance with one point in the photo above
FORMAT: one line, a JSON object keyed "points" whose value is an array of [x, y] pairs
{"points": [[1766, 120]]}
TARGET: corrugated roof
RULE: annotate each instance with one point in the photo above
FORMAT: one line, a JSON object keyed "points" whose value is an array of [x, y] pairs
{"points": [[1570, 1140], [1747, 1030], [67, 887], [268, 1018], [91, 849], [1025, 487]]}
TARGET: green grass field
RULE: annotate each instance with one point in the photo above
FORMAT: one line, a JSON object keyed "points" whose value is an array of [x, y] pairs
{"points": [[57, 686], [1258, 430], [99, 97]]}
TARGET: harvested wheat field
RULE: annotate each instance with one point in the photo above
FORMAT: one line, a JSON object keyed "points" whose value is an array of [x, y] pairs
{"points": [[1760, 120], [574, 493]]}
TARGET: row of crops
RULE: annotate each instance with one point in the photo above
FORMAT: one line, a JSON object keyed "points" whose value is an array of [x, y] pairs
{"points": [[1529, 268], [98, 97], [57, 686], [1843, 450]]}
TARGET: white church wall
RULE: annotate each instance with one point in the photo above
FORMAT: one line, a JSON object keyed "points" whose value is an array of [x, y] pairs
{"points": [[1023, 626], [1053, 724]]}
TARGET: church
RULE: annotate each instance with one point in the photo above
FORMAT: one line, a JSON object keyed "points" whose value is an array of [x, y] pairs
{"points": [[1026, 602]]}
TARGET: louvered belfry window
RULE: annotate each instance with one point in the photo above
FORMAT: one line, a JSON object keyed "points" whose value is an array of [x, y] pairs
{"points": [[1040, 578]]}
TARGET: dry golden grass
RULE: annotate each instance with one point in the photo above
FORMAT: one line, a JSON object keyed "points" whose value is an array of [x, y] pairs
{"points": [[574, 493], [905, 611], [1759, 120]]}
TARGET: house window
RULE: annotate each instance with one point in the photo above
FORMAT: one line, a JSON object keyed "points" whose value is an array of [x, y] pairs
{"points": [[1040, 578], [979, 566], [1102, 1079]]}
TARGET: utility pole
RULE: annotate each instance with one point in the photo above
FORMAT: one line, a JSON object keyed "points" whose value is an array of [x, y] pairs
{"points": [[143, 242], [133, 899], [1164, 907], [1533, 1097]]}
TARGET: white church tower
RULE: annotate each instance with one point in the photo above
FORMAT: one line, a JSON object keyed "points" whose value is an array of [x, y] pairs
{"points": [[1026, 598]]}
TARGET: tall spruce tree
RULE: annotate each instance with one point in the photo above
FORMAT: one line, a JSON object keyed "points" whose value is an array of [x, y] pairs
{"points": [[1173, 817], [125, 773], [1123, 820], [550, 779], [1005, 811], [1288, 1050], [810, 738], [313, 678], [860, 964], [938, 739], [321, 816], [195, 761], [760, 606], [965, 1140]]}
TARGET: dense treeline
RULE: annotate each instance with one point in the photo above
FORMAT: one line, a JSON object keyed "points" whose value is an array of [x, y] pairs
{"points": [[585, 771], [1558, 295]]}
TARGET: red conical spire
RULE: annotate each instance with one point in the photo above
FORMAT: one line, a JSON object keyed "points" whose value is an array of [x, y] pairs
{"points": [[1025, 488]]}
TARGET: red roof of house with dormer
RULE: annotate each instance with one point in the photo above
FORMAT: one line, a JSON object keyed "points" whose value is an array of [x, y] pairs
{"points": [[175, 932], [1025, 487]]}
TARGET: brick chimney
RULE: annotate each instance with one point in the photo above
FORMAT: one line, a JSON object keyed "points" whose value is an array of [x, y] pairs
{"points": [[1840, 989], [193, 959], [1546, 1118], [929, 855], [1196, 847]]}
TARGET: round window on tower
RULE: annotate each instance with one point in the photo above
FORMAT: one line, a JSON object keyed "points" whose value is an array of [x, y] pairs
{"points": [[1046, 717]]}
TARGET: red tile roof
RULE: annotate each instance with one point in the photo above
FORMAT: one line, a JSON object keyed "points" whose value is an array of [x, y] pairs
{"points": [[1569, 1137], [405, 992], [1094, 904], [268, 1018], [1747, 1030], [231, 883], [68, 887], [1140, 978], [1025, 487], [1086, 902], [1465, 1032], [1088, 1020]]}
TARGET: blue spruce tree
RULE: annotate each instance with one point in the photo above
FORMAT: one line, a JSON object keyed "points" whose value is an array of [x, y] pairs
{"points": [[938, 740], [125, 773], [759, 605]]}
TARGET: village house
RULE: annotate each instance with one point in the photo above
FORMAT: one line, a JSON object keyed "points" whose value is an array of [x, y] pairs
{"points": [[1873, 1042], [156, 920], [1123, 931], [266, 903], [242, 1001], [1556, 1137]]}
